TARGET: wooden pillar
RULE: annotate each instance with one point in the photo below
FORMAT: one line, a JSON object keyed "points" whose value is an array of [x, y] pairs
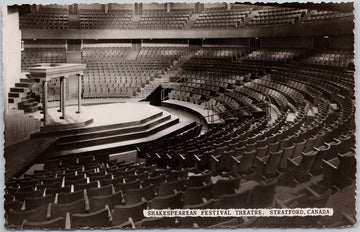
{"points": [[79, 93], [62, 97], [44, 102]]}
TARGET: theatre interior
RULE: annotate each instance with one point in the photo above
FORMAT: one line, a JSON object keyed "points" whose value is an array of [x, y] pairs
{"points": [[112, 109]]}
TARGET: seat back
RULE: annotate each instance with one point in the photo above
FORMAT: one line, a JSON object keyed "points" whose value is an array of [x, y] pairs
{"points": [[156, 180], [226, 186], [103, 191], [195, 195], [288, 153], [177, 174], [60, 210], [15, 205], [129, 185], [33, 215], [122, 213], [246, 161], [198, 180], [273, 163], [167, 188], [263, 195], [99, 202], [174, 201], [70, 197], [235, 200], [34, 202], [56, 223], [93, 184], [133, 196], [97, 219]]}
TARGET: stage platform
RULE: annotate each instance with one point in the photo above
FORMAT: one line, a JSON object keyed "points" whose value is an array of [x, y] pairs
{"points": [[114, 128]]}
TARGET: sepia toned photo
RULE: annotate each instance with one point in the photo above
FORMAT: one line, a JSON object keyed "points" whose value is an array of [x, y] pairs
{"points": [[179, 115]]}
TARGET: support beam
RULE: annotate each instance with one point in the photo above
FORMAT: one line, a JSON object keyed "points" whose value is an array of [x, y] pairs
{"points": [[62, 97], [44, 102], [79, 76]]}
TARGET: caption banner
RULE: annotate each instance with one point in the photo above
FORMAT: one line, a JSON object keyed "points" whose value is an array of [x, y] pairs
{"points": [[295, 212]]}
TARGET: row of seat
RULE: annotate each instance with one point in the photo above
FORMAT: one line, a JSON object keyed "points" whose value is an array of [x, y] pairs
{"points": [[161, 19], [331, 58], [74, 204], [326, 15], [221, 18]]}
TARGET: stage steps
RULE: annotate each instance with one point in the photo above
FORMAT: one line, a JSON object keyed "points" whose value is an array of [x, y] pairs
{"points": [[116, 131], [21, 97], [75, 131], [109, 136], [129, 142]]}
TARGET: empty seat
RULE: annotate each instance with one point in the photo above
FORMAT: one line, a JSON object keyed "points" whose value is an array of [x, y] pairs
{"points": [[126, 186], [133, 196], [174, 201], [93, 184], [33, 215], [141, 176], [99, 202], [123, 214], [156, 180], [169, 187], [177, 174], [53, 224], [262, 195], [60, 210], [70, 197], [53, 191], [34, 202], [114, 182], [103, 191], [197, 195], [199, 180], [97, 219], [15, 205], [226, 186], [236, 200], [20, 196]]}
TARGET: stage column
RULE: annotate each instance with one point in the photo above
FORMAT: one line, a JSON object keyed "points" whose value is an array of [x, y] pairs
{"points": [[62, 97], [44, 101], [79, 76], [61, 93]]}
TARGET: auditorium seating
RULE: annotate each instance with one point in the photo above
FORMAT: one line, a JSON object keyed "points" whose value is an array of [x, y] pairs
{"points": [[221, 18], [36, 55], [337, 59], [45, 18], [110, 74], [314, 16], [97, 19], [237, 16], [272, 56], [279, 153], [161, 19], [278, 129], [277, 16], [98, 207]]}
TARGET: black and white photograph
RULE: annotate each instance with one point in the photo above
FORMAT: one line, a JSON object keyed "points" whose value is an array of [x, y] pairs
{"points": [[145, 115]]}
